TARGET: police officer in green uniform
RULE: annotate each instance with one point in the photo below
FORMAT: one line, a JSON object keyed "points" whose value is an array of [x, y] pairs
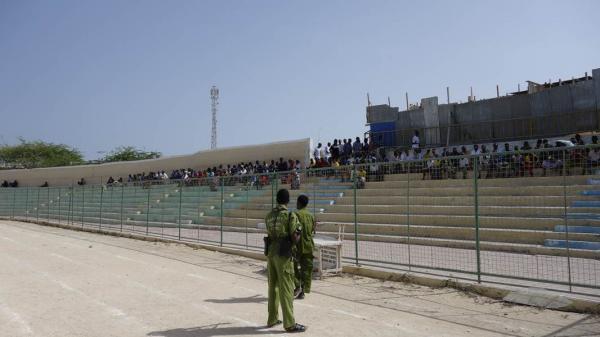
{"points": [[284, 230], [303, 262]]}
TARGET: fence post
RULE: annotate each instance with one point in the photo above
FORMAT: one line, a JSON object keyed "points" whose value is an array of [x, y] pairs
{"points": [[314, 188], [247, 203], [566, 221], [14, 203], [82, 204], [148, 208], [272, 183], [222, 189], [59, 205], [48, 205], [354, 183], [121, 213], [27, 203], [408, 216], [70, 214], [179, 212], [101, 204], [476, 204], [37, 206]]}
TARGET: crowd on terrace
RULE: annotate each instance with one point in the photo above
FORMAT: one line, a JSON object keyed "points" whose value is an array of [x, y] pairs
{"points": [[497, 161], [508, 160]]}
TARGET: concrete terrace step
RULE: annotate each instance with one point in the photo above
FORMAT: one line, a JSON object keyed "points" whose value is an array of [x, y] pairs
{"points": [[391, 182], [461, 200], [572, 244], [539, 211], [578, 229]]}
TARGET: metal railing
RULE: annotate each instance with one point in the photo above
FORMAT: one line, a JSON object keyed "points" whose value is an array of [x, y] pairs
{"points": [[529, 218]]}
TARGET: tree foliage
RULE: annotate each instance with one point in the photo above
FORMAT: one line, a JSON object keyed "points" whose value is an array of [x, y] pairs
{"points": [[128, 153], [33, 154]]}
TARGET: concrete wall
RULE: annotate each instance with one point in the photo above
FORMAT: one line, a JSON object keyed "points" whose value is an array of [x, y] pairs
{"points": [[94, 174], [431, 118]]}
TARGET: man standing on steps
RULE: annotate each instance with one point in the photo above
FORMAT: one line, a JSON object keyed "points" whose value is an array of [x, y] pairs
{"points": [[303, 262], [284, 231]]}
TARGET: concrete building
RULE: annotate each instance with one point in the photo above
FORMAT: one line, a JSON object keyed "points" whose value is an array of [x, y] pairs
{"points": [[543, 110]]}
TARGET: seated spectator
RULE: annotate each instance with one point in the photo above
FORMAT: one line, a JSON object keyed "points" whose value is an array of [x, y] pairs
{"points": [[45, 184], [5, 184], [14, 184], [516, 162], [362, 177], [528, 163], [428, 163], [81, 182], [493, 162], [593, 161], [463, 163], [552, 164], [110, 181], [295, 183], [357, 147], [480, 163], [595, 140]]}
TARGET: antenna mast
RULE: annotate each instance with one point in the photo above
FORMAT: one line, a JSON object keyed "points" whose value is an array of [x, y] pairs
{"points": [[214, 98]]}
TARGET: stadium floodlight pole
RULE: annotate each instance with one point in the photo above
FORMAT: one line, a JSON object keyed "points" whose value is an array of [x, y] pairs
{"points": [[214, 97]]}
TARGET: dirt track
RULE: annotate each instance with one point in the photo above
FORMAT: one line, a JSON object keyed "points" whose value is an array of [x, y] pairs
{"points": [[57, 282]]}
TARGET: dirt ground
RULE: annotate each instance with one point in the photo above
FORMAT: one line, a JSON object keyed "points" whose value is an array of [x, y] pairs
{"points": [[56, 282]]}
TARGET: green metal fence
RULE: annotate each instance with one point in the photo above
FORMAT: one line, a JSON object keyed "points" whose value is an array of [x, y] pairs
{"points": [[529, 218]]}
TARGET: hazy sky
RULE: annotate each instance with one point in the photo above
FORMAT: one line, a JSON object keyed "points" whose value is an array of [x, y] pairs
{"points": [[99, 74]]}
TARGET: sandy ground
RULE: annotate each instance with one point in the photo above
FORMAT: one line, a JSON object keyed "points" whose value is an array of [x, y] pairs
{"points": [[56, 282]]}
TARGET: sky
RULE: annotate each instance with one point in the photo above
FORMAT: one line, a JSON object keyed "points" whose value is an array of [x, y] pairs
{"points": [[96, 75]]}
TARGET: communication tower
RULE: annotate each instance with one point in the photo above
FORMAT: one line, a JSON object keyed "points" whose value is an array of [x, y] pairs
{"points": [[214, 98]]}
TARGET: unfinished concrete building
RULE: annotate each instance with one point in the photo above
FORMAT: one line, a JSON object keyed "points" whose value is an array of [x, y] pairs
{"points": [[543, 110]]}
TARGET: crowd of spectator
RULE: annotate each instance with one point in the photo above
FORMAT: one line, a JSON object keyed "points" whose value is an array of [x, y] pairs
{"points": [[6, 183], [499, 161], [255, 173], [508, 160], [342, 152]]}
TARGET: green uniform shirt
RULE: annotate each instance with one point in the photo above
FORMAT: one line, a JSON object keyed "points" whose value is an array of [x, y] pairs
{"points": [[307, 221], [280, 225]]}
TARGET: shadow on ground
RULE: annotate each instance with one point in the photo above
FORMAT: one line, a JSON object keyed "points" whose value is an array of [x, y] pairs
{"points": [[238, 300], [218, 329]]}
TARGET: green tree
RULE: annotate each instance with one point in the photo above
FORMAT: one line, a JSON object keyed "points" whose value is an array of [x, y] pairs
{"points": [[128, 153], [32, 154]]}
